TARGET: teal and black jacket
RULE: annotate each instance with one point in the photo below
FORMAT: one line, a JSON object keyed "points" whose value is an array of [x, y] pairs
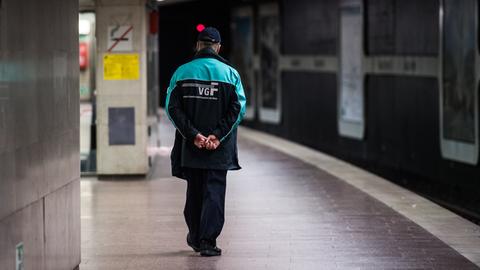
{"points": [[205, 96]]}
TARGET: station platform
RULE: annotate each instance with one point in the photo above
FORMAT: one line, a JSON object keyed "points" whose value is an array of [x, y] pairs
{"points": [[290, 207]]}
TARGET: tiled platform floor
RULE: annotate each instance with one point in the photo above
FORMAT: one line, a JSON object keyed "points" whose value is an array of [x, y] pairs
{"points": [[281, 214]]}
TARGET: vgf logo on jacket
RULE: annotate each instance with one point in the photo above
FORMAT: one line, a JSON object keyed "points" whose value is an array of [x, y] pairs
{"points": [[203, 90]]}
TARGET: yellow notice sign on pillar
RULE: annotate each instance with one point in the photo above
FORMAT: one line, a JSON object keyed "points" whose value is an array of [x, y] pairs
{"points": [[121, 66]]}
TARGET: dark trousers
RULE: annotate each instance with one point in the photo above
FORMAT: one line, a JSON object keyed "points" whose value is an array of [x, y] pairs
{"points": [[205, 205]]}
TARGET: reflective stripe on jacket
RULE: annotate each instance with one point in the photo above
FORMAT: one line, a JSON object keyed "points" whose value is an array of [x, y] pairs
{"points": [[205, 96]]}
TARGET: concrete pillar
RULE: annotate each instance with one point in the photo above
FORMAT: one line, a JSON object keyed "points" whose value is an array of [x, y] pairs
{"points": [[121, 87]]}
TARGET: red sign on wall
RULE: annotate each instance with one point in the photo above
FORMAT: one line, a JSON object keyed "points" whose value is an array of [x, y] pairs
{"points": [[83, 55]]}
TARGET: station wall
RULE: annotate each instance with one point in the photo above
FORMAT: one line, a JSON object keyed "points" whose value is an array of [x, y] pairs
{"points": [[39, 130], [402, 108]]}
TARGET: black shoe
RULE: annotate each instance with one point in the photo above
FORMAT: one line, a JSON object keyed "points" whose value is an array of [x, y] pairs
{"points": [[195, 248], [208, 250]]}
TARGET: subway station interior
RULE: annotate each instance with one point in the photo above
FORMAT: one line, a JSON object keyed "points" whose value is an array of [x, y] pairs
{"points": [[358, 142]]}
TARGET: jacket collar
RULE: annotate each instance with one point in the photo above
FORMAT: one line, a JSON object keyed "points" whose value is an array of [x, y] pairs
{"points": [[210, 53]]}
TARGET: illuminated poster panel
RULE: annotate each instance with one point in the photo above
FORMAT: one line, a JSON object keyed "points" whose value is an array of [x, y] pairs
{"points": [[458, 83], [351, 92], [243, 54], [269, 41]]}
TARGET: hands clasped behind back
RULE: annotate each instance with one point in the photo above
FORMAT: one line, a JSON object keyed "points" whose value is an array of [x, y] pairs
{"points": [[210, 143]]}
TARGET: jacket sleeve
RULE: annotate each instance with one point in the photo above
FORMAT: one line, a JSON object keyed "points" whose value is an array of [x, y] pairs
{"points": [[235, 112], [176, 114]]}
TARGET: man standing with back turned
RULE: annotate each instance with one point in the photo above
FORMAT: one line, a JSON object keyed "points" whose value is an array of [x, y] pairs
{"points": [[205, 102]]}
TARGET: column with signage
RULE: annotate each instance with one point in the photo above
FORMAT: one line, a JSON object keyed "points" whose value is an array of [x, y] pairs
{"points": [[121, 88], [243, 53], [459, 77], [270, 96], [351, 115]]}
